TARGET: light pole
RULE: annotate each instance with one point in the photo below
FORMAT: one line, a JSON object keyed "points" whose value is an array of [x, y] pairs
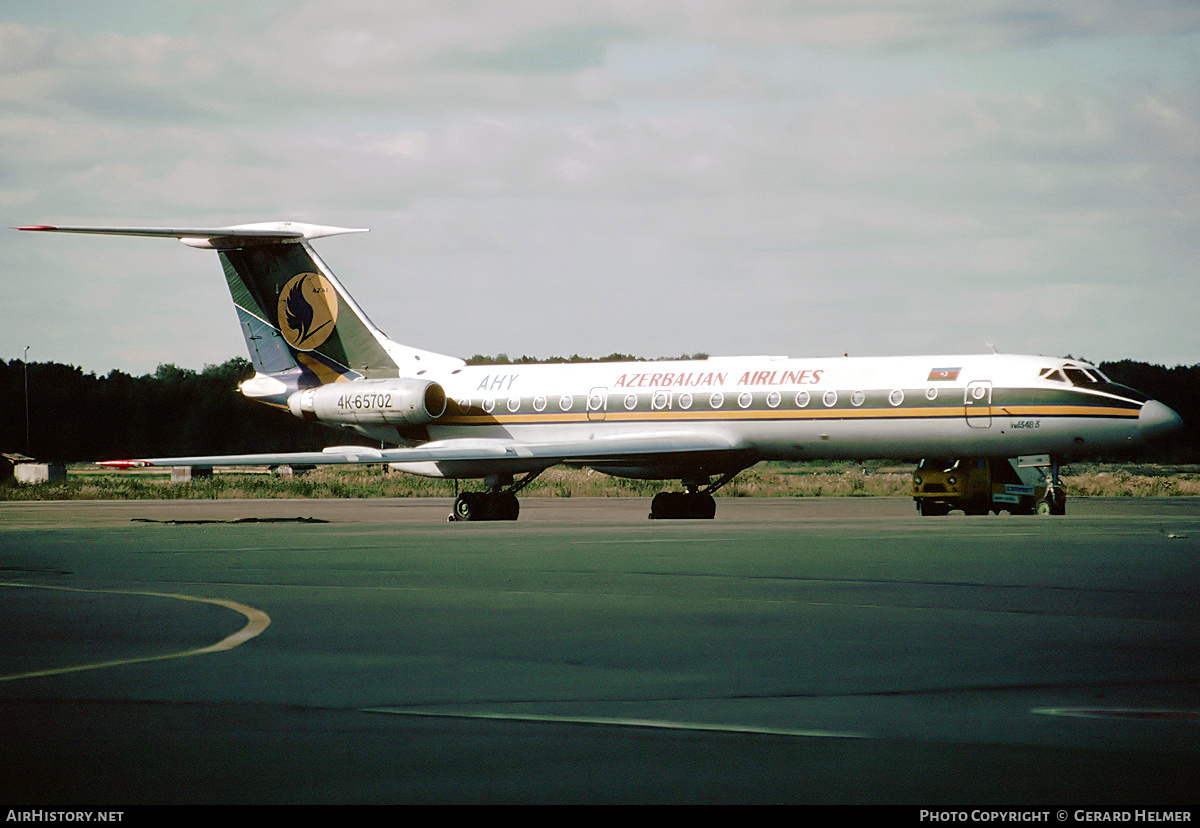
{"points": [[25, 360]]}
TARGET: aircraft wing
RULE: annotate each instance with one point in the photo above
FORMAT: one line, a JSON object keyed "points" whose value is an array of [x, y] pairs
{"points": [[483, 451]]}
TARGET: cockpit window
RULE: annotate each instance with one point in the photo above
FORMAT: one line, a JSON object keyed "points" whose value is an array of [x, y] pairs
{"points": [[1075, 375], [1086, 376]]}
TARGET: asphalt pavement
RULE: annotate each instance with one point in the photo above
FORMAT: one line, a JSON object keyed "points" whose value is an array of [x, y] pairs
{"points": [[792, 651]]}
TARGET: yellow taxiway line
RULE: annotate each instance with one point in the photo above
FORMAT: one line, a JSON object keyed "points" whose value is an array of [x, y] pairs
{"points": [[256, 622]]}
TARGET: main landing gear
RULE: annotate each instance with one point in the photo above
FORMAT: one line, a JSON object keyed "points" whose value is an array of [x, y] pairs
{"points": [[486, 506], [690, 504], [498, 503], [693, 503]]}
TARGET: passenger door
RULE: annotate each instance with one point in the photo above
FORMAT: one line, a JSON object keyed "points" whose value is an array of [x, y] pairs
{"points": [[977, 404]]}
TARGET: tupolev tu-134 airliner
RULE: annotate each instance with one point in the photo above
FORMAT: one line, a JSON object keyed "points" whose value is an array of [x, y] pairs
{"points": [[318, 355]]}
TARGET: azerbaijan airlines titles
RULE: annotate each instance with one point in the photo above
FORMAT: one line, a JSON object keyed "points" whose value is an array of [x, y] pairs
{"points": [[683, 379], [701, 379]]}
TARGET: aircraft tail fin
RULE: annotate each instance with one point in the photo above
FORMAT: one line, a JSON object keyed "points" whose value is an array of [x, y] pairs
{"points": [[302, 328], [295, 314]]}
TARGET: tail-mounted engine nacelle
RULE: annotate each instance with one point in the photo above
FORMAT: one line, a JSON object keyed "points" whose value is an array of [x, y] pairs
{"points": [[371, 402]]}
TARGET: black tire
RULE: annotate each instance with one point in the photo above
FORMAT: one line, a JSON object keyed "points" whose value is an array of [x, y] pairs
{"points": [[1054, 503], [681, 505], [505, 506], [702, 506], [466, 506], [665, 506], [929, 508], [486, 506], [1058, 503]]}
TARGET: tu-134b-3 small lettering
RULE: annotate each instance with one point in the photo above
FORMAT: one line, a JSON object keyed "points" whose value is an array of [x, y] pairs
{"points": [[319, 356]]}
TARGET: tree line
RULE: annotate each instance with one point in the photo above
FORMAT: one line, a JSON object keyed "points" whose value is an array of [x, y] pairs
{"points": [[76, 416]]}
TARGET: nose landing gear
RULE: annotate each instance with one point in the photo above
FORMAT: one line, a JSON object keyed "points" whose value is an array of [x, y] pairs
{"points": [[1054, 501]]}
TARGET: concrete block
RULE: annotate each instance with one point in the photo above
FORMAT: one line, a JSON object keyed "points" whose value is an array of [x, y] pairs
{"points": [[40, 472], [186, 474]]}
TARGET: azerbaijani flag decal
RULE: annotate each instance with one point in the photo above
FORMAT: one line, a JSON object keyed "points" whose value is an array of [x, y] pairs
{"points": [[943, 374]]}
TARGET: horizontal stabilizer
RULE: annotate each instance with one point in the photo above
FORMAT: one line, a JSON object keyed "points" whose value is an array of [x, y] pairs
{"points": [[215, 238], [301, 326]]}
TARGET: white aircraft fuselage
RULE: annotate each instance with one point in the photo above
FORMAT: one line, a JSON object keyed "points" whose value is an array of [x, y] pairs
{"points": [[777, 408], [318, 355]]}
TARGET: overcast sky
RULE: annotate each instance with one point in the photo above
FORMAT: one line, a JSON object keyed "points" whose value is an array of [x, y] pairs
{"points": [[551, 177]]}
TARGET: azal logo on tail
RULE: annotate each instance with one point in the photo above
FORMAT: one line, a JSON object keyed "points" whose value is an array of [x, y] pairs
{"points": [[307, 311]]}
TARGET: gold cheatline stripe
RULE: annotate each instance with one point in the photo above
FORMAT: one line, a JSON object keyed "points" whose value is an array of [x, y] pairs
{"points": [[802, 414]]}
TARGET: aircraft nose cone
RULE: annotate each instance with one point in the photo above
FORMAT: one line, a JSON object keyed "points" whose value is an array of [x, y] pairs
{"points": [[1157, 420]]}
